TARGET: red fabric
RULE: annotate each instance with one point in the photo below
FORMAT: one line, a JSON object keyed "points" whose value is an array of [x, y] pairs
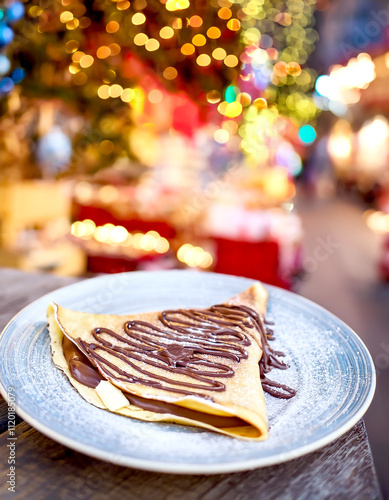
{"points": [[256, 260]]}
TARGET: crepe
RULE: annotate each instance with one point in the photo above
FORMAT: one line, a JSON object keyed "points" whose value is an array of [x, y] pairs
{"points": [[194, 367]]}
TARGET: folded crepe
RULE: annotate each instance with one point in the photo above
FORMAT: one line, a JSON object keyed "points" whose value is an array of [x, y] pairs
{"points": [[194, 367]]}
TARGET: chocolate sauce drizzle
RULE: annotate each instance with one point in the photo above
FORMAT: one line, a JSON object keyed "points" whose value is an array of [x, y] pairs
{"points": [[183, 345]]}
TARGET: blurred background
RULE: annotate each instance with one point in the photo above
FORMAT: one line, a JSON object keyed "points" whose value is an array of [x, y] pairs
{"points": [[247, 137]]}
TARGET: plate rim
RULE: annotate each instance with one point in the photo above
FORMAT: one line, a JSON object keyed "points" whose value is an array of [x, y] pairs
{"points": [[206, 469]]}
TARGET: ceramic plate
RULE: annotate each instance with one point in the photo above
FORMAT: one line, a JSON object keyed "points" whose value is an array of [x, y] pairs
{"points": [[329, 366]]}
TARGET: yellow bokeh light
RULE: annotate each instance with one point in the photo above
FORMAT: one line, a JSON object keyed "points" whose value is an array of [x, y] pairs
{"points": [[224, 13], [66, 16], [233, 109], [73, 69], [203, 60], [123, 5], [260, 103], [231, 61], [166, 32], [244, 98], [219, 54], [161, 245], [101, 234], [138, 18], [119, 234], [103, 92], [112, 27], [106, 147], [293, 69], [152, 44], [115, 49], [116, 90], [213, 96], [221, 136], [195, 21], [147, 242], [222, 107], [103, 52], [233, 25], [85, 22], [71, 46], [76, 57], [86, 61], [140, 39], [177, 23], [213, 32], [170, 73], [199, 40], [187, 49], [127, 95]]}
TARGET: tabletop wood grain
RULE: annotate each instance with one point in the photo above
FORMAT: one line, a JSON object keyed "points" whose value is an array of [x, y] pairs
{"points": [[47, 470]]}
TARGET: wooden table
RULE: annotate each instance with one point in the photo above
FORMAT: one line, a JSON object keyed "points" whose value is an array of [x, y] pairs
{"points": [[47, 470]]}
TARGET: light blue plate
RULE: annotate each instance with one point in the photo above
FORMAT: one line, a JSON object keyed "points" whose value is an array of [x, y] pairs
{"points": [[329, 366]]}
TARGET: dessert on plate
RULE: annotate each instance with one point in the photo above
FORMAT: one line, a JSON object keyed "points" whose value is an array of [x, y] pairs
{"points": [[201, 367]]}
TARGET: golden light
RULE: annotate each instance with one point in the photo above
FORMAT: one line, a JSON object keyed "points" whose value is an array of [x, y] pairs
{"points": [[233, 25], [138, 18], [224, 13], [155, 96], [103, 92], [244, 99], [86, 61], [103, 52], [152, 44], [73, 69], [187, 49], [83, 192], [170, 73], [194, 256], [136, 240], [199, 40], [127, 95], [221, 136], [219, 54], [233, 109], [85, 22], [231, 61], [166, 32], [123, 5], [115, 90], [108, 194], [89, 228], [293, 69], [177, 23], [71, 46], [77, 56], [195, 21], [101, 234], [378, 222], [115, 49], [112, 27], [66, 16], [203, 60], [161, 245], [140, 39], [260, 103], [119, 235], [77, 229], [213, 96], [213, 32], [147, 243], [73, 24], [106, 147]]}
